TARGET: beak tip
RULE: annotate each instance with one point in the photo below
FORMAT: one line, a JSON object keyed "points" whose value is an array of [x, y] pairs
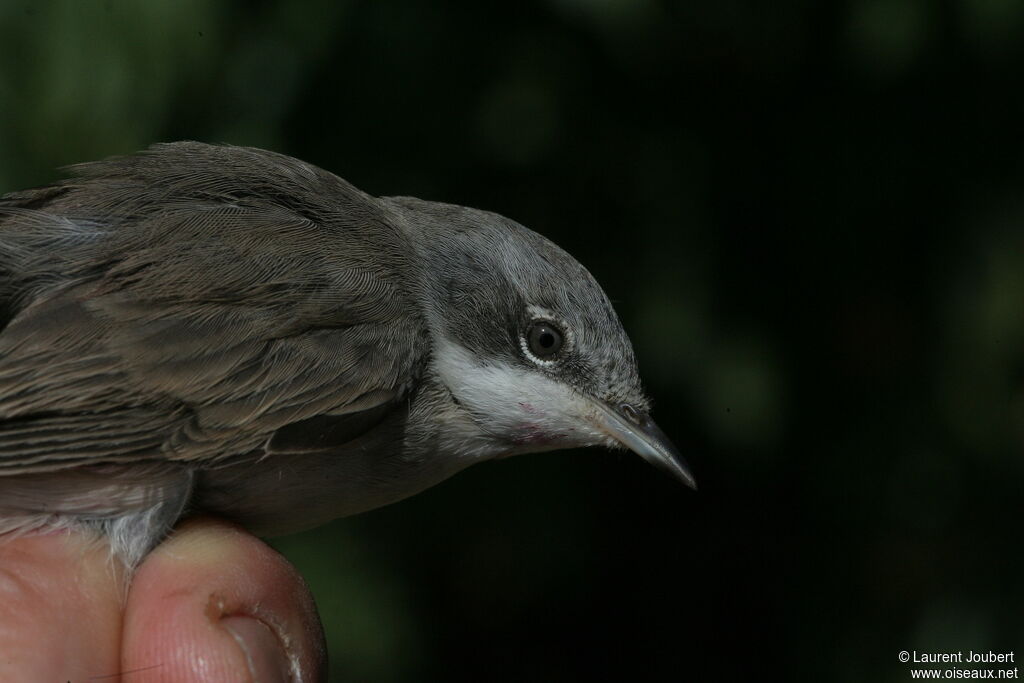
{"points": [[682, 472], [637, 432]]}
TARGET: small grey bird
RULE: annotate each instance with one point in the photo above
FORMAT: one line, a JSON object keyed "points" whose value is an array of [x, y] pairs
{"points": [[233, 331]]}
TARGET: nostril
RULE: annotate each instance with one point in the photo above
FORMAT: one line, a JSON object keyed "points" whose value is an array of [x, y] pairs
{"points": [[631, 413]]}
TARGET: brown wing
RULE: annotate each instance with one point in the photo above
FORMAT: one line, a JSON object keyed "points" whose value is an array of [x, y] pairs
{"points": [[191, 317]]}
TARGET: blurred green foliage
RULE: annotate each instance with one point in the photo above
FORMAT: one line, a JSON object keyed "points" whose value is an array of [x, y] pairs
{"points": [[809, 217]]}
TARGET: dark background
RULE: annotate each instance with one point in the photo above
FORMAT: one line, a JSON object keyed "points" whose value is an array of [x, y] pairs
{"points": [[809, 216]]}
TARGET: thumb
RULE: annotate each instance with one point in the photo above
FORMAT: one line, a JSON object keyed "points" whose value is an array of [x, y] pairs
{"points": [[213, 603]]}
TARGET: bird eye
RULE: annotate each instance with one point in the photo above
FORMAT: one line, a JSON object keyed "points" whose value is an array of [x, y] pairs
{"points": [[545, 340]]}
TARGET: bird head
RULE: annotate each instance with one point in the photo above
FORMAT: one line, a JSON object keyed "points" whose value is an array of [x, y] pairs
{"points": [[526, 342]]}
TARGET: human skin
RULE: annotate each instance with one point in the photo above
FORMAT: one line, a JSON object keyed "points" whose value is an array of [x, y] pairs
{"points": [[211, 603]]}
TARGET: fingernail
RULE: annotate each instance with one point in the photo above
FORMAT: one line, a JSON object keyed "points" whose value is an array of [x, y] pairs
{"points": [[263, 649]]}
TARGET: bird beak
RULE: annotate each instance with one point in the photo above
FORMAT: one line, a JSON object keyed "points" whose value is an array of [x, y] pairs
{"points": [[636, 431]]}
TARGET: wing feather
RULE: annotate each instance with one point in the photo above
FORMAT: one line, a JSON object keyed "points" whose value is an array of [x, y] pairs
{"points": [[191, 316]]}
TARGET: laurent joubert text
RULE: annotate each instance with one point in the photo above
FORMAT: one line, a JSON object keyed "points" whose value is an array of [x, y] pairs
{"points": [[971, 657]]}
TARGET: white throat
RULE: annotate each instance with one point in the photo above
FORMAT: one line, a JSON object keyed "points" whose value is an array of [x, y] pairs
{"points": [[508, 409]]}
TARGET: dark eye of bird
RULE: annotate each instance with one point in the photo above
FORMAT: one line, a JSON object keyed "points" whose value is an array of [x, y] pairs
{"points": [[545, 340]]}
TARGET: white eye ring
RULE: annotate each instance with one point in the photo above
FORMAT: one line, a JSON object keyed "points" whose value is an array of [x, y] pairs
{"points": [[544, 339], [545, 328]]}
